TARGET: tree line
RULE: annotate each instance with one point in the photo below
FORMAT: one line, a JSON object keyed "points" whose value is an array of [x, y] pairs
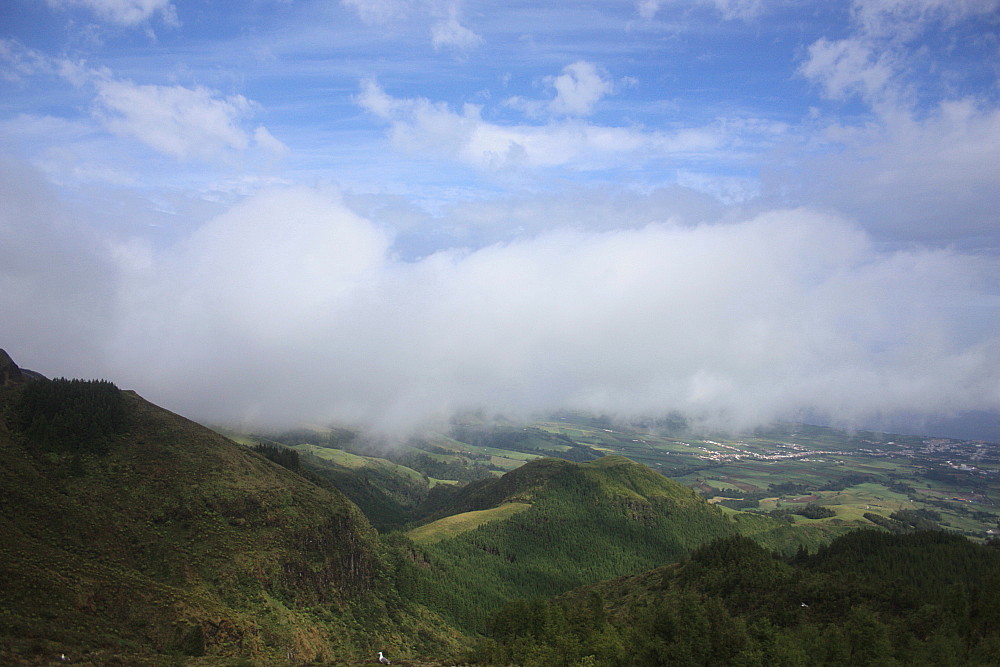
{"points": [[76, 416]]}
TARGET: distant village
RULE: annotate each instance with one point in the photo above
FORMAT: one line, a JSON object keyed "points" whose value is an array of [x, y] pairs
{"points": [[962, 454]]}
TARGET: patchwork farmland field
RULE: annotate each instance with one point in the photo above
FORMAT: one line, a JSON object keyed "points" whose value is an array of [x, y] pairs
{"points": [[861, 478]]}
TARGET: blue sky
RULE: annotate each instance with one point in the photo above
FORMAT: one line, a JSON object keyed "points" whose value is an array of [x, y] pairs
{"points": [[386, 210]]}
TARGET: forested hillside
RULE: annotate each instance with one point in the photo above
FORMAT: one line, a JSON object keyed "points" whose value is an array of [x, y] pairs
{"points": [[135, 536], [869, 598], [130, 531], [581, 523]]}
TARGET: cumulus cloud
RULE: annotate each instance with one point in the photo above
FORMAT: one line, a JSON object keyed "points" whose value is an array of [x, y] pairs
{"points": [[873, 62], [452, 34], [929, 177], [850, 66], [578, 89], [127, 13], [290, 307], [421, 126], [919, 165], [179, 121]]}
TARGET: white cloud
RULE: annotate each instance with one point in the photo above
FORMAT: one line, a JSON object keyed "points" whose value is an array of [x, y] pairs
{"points": [[920, 166], [730, 9], [290, 307], [930, 177], [128, 13], [873, 62], [179, 121], [21, 61], [446, 29], [265, 140], [379, 11], [850, 66], [182, 122], [647, 8], [452, 34], [433, 129], [902, 20], [578, 89], [55, 276]]}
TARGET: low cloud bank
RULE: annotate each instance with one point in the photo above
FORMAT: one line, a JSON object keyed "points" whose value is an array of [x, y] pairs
{"points": [[290, 308]]}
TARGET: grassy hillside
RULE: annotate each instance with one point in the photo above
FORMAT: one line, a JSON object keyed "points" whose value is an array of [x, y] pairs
{"points": [[162, 538], [577, 523], [456, 524]]}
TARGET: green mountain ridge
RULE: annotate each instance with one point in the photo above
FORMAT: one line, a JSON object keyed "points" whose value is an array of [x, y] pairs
{"points": [[172, 540], [613, 478], [584, 522]]}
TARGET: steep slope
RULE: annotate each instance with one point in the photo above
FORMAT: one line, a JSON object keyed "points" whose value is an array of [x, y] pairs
{"points": [[160, 537], [584, 522]]}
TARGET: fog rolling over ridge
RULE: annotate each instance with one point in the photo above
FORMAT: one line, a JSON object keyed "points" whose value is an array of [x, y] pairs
{"points": [[385, 212], [291, 308]]}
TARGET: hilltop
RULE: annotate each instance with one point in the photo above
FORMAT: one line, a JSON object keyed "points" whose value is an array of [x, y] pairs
{"points": [[552, 525]]}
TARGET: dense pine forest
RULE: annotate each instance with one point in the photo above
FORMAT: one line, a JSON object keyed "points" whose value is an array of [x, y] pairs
{"points": [[868, 598]]}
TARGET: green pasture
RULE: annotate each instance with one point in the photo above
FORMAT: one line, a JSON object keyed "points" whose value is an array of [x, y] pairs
{"points": [[457, 524], [338, 456], [434, 481], [354, 461], [503, 453], [574, 432], [506, 463], [238, 438], [724, 485], [450, 444], [444, 458]]}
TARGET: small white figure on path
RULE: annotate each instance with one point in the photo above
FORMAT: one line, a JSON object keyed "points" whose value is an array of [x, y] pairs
{"points": [[381, 658]]}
